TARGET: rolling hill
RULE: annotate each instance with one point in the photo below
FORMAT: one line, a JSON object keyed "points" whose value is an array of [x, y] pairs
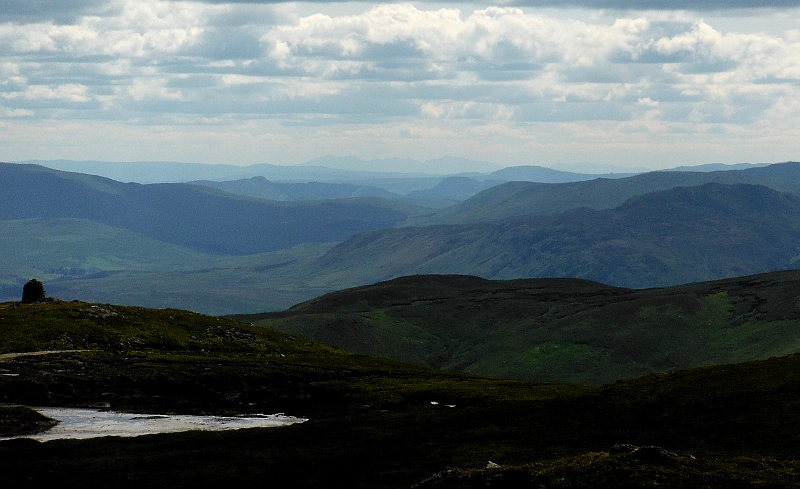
{"points": [[555, 330]]}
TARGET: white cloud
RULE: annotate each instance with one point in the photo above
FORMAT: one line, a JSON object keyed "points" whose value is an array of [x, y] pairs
{"points": [[66, 93]]}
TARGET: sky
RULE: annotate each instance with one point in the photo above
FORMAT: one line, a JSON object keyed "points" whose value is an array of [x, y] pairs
{"points": [[574, 84]]}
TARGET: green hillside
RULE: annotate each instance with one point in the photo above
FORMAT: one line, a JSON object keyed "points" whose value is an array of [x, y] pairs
{"points": [[54, 248], [86, 259], [562, 330], [374, 423], [680, 235]]}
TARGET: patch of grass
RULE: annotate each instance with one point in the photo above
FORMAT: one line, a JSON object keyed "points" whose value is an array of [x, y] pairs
{"points": [[20, 420]]}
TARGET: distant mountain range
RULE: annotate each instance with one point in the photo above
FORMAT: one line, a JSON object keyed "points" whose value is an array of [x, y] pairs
{"points": [[262, 188], [439, 166], [189, 215], [93, 237], [515, 199]]}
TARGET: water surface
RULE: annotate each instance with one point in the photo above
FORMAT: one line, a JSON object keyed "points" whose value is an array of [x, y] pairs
{"points": [[76, 423]]}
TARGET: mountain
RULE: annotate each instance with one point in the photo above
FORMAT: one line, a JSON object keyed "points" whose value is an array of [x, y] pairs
{"points": [[554, 330], [262, 188], [439, 166], [372, 423], [532, 173], [516, 199], [271, 255], [681, 235], [718, 167], [454, 188], [173, 172], [676, 236], [196, 217]]}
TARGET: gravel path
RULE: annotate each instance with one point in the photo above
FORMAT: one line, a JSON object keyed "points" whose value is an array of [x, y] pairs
{"points": [[9, 356]]}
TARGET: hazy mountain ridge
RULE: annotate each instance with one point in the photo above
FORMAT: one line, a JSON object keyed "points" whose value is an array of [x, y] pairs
{"points": [[641, 245], [197, 217], [262, 188], [515, 199]]}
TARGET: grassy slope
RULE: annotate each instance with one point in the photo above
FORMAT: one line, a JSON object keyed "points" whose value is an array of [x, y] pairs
{"points": [[372, 421], [555, 329], [231, 285], [81, 258], [52, 248]]}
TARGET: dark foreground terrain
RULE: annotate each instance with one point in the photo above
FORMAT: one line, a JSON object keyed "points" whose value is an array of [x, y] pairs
{"points": [[373, 422], [555, 330]]}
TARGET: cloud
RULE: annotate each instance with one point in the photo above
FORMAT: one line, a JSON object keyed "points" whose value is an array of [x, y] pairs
{"points": [[696, 5], [49, 10], [510, 74]]}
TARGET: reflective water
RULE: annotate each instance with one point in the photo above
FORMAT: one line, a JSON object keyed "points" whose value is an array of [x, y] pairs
{"points": [[89, 423]]}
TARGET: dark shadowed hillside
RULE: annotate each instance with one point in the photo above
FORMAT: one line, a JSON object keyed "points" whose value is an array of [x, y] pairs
{"points": [[563, 330]]}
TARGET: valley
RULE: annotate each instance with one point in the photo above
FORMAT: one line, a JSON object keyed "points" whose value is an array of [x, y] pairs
{"points": [[96, 239], [643, 332]]}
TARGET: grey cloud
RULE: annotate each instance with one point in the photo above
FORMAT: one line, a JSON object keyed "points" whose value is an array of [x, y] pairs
{"points": [[407, 72], [708, 5], [398, 50], [58, 11], [222, 43], [690, 61], [709, 66], [245, 15], [482, 92], [505, 74], [224, 102], [572, 111], [709, 113], [609, 73], [704, 5]]}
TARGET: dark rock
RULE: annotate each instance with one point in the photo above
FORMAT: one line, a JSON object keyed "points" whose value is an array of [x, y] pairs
{"points": [[652, 454], [623, 448], [33, 291]]}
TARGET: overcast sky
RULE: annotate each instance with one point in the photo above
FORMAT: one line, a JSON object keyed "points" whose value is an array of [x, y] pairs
{"points": [[544, 82]]}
